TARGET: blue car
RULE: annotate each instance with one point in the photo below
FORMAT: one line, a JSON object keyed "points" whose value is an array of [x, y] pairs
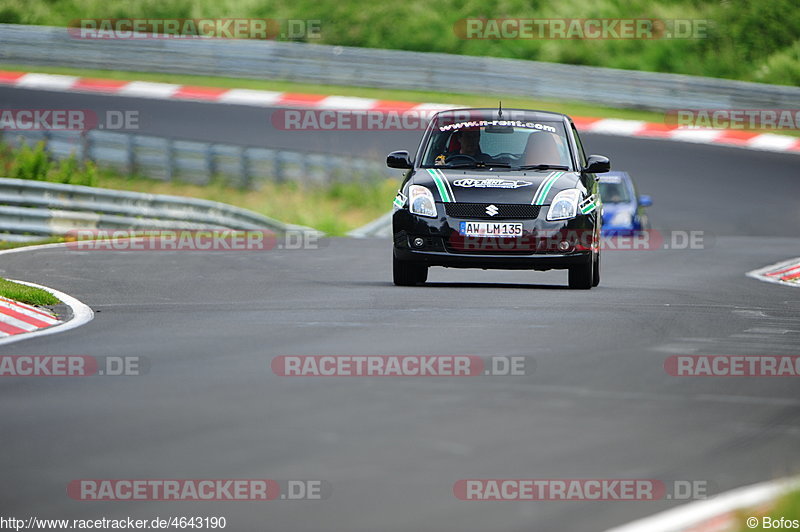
{"points": [[623, 208]]}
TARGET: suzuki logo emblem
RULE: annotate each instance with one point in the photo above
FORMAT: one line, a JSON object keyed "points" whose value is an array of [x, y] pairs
{"points": [[492, 210]]}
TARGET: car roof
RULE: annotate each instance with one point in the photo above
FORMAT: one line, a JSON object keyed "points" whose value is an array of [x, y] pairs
{"points": [[537, 114], [614, 176]]}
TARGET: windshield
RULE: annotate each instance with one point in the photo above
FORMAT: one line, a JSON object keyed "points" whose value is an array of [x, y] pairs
{"points": [[614, 192], [507, 143]]}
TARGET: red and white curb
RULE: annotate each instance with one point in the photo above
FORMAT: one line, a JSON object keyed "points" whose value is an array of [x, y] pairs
{"points": [[19, 321], [169, 91], [786, 273], [19, 318], [717, 514], [259, 98]]}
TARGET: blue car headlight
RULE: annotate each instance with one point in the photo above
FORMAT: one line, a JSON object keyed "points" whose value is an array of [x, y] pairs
{"points": [[565, 205]]}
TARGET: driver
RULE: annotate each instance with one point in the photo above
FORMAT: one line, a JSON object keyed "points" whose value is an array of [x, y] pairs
{"points": [[470, 140], [466, 144]]}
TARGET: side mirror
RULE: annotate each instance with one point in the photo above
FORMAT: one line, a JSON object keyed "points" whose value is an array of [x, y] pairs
{"points": [[597, 164], [645, 201], [399, 159]]}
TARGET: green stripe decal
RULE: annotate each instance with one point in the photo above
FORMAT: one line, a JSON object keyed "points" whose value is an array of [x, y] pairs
{"points": [[447, 185], [398, 203], [539, 189], [586, 209], [544, 189], [439, 185]]}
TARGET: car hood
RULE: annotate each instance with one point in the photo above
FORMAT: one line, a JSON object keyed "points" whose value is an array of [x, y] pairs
{"points": [[484, 186], [611, 209]]}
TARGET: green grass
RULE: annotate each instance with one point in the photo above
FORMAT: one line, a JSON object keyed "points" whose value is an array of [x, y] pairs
{"points": [[4, 244], [787, 507], [26, 294], [754, 40]]}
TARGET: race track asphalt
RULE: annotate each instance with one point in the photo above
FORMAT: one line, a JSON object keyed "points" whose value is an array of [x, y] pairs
{"points": [[598, 403]]}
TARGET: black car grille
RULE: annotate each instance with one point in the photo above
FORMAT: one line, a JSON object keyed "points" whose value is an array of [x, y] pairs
{"points": [[504, 210]]}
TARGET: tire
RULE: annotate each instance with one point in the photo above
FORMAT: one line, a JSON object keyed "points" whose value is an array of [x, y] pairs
{"points": [[581, 277], [408, 273], [596, 271]]}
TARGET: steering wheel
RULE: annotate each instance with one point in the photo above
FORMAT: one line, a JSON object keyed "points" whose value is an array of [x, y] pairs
{"points": [[456, 156]]}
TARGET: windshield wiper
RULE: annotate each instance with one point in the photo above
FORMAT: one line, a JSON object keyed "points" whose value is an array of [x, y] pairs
{"points": [[542, 167], [478, 165]]}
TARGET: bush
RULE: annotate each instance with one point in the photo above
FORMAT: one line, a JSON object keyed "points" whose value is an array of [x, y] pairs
{"points": [[31, 163], [35, 164]]}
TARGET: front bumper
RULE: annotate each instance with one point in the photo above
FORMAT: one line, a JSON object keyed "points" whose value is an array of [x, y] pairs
{"points": [[543, 246]]}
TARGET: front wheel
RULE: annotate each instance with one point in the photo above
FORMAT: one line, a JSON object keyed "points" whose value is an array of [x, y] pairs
{"points": [[581, 277], [408, 273]]}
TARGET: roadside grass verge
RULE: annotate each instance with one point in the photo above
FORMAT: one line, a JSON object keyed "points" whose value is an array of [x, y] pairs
{"points": [[334, 208], [5, 244], [26, 294]]}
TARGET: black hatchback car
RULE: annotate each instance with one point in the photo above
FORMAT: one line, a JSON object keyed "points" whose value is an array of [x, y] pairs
{"points": [[498, 189]]}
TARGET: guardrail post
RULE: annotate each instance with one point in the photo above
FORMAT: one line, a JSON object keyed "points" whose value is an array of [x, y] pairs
{"points": [[279, 173], [170, 147], [84, 146], [244, 169], [211, 162], [131, 154]]}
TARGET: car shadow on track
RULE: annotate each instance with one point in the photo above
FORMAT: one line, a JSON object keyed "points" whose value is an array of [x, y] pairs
{"points": [[469, 285]]}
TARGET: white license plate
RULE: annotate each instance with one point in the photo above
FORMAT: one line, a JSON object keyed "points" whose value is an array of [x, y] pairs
{"points": [[497, 229]]}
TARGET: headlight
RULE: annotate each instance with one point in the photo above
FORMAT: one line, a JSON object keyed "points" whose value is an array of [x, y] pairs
{"points": [[421, 201], [565, 205], [623, 218]]}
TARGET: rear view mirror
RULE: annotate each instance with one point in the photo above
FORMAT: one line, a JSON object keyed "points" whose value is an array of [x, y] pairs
{"points": [[398, 159], [498, 129], [597, 164], [645, 201]]}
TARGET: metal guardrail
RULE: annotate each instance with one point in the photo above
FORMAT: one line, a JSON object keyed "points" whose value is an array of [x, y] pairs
{"points": [[199, 162], [337, 65], [31, 210]]}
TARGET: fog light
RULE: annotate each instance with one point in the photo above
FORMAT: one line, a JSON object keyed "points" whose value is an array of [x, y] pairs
{"points": [[418, 242], [564, 246]]}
